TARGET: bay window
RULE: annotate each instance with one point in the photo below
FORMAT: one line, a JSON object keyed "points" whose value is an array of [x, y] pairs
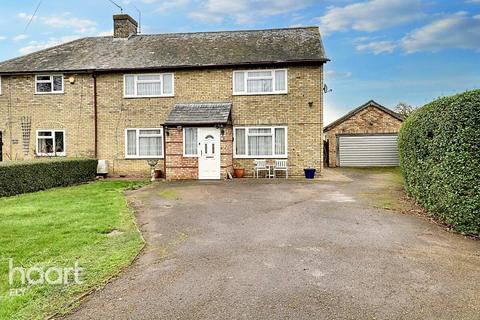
{"points": [[45, 84], [51, 143], [148, 85], [260, 142], [254, 82], [144, 143]]}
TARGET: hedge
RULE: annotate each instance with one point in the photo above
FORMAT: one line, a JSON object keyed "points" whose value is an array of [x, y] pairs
{"points": [[31, 176], [439, 148]]}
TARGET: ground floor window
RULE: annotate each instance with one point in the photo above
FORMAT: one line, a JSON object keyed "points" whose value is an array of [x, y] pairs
{"points": [[265, 142], [190, 142], [51, 143], [144, 143]]}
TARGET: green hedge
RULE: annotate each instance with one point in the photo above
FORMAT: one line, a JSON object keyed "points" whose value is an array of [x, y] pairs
{"points": [[439, 146], [31, 176]]}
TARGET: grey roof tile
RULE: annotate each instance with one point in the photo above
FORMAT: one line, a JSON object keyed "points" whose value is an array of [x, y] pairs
{"points": [[176, 50], [199, 113]]}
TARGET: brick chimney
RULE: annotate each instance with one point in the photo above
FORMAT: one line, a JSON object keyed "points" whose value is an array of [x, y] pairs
{"points": [[124, 26]]}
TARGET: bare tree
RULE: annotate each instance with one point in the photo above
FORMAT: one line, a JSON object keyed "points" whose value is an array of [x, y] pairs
{"points": [[404, 109]]}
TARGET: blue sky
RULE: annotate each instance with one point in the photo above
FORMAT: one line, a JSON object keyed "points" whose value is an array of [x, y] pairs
{"points": [[387, 50]]}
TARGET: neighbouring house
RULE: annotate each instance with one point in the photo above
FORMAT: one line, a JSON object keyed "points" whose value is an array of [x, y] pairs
{"points": [[202, 103], [364, 137]]}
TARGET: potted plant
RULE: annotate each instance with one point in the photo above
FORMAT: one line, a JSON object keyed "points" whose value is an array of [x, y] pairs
{"points": [[239, 172], [309, 172]]}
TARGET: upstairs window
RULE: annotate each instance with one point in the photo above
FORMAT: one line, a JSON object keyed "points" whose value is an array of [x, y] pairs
{"points": [[260, 142], [51, 143], [144, 143], [260, 82], [148, 85], [45, 84]]}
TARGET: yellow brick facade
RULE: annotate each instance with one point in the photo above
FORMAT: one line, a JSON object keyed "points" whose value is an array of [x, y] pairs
{"points": [[300, 110]]}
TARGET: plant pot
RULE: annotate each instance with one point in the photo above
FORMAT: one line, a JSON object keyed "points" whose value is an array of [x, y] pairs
{"points": [[309, 173], [239, 172], [158, 173]]}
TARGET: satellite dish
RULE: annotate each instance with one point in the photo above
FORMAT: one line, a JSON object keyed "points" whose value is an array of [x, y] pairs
{"points": [[326, 89]]}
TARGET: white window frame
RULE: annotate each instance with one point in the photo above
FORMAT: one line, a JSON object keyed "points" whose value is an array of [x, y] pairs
{"points": [[137, 145], [272, 77], [0, 85], [189, 155], [49, 81], [136, 81], [54, 154], [246, 156]]}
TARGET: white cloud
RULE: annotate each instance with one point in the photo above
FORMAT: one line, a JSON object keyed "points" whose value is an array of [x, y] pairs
{"points": [[82, 26], [457, 31], [170, 5], [337, 74], [370, 15], [40, 45], [20, 37], [3, 38], [378, 47], [245, 11], [25, 16]]}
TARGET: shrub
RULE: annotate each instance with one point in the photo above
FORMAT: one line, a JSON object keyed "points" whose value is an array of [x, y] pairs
{"points": [[439, 147], [31, 176]]}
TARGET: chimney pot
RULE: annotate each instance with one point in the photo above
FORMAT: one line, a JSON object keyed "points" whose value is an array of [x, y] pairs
{"points": [[124, 26]]}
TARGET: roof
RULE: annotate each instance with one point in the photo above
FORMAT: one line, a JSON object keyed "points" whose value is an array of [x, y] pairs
{"points": [[176, 50], [199, 113], [370, 103]]}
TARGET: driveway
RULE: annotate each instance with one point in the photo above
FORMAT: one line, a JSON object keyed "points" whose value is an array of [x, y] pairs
{"points": [[290, 250]]}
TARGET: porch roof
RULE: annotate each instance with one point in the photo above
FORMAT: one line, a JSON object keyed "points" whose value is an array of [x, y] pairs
{"points": [[202, 113]]}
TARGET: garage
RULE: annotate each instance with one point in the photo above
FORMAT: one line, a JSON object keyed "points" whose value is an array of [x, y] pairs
{"points": [[367, 150], [364, 137]]}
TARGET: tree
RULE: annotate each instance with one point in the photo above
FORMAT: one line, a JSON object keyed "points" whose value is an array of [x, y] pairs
{"points": [[404, 109]]}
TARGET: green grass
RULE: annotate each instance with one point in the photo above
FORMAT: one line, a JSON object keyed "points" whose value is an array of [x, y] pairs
{"points": [[56, 228]]}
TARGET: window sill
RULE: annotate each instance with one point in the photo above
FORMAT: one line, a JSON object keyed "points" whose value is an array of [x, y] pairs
{"points": [[147, 97], [48, 93], [261, 157], [261, 93], [144, 158], [51, 155]]}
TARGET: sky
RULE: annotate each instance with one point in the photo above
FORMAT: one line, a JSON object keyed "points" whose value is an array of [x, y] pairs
{"points": [[390, 51]]}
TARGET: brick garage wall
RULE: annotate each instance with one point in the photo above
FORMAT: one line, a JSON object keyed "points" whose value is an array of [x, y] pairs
{"points": [[369, 120], [71, 111]]}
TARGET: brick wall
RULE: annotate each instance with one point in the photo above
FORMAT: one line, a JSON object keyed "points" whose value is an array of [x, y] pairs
{"points": [[73, 111], [369, 120]]}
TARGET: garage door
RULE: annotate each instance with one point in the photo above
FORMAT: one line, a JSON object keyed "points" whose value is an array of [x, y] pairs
{"points": [[368, 151]]}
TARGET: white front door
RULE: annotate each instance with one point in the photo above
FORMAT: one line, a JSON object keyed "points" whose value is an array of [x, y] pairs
{"points": [[209, 151]]}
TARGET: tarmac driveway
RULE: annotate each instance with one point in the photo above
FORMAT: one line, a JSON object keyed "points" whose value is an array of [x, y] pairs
{"points": [[290, 250]]}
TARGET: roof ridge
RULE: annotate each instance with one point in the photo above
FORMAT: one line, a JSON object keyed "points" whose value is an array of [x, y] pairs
{"points": [[228, 31]]}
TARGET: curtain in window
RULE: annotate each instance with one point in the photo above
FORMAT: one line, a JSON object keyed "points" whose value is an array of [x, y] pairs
{"points": [[280, 80], [261, 85], [260, 145], [167, 84], [240, 141], [149, 89], [57, 83], [150, 146], [131, 142], [191, 141], [280, 141], [129, 85], [59, 143], [45, 145], [239, 81]]}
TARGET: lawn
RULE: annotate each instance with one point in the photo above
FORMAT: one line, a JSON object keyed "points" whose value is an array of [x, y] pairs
{"points": [[90, 224]]}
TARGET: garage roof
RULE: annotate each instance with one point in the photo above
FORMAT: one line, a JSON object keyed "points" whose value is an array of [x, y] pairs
{"points": [[370, 103]]}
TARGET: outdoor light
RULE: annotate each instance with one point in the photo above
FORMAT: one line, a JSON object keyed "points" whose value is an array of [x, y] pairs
{"points": [[310, 104], [179, 128]]}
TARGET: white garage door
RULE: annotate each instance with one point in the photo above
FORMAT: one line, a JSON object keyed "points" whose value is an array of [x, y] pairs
{"points": [[368, 151]]}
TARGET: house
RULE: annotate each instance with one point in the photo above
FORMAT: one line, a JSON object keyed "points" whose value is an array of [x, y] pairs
{"points": [[364, 137], [201, 103]]}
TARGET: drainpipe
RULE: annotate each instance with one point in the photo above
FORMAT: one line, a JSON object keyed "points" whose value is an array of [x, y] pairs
{"points": [[165, 152], [95, 114]]}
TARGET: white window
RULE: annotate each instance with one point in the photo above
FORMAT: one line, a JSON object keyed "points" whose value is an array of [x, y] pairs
{"points": [[144, 143], [256, 82], [51, 143], [148, 85], [190, 142], [45, 84], [0, 85], [260, 142]]}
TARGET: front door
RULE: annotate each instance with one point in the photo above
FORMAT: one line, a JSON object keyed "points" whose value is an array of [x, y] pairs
{"points": [[209, 151]]}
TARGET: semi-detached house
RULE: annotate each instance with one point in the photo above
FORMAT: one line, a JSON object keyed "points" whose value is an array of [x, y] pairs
{"points": [[202, 103]]}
